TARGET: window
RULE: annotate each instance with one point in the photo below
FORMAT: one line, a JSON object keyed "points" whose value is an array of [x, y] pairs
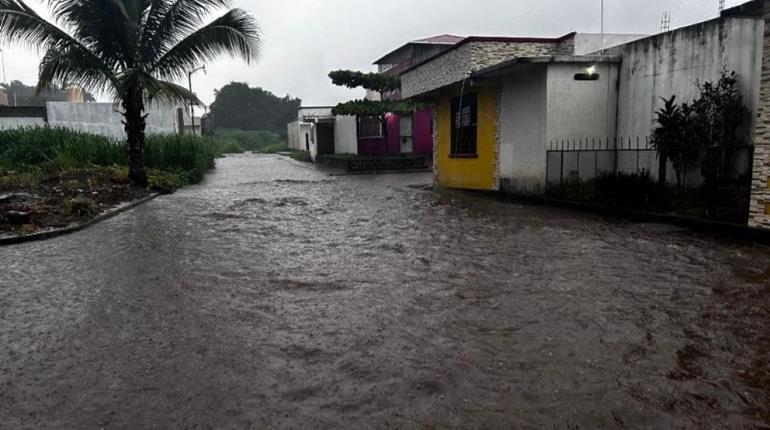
{"points": [[464, 125], [369, 126]]}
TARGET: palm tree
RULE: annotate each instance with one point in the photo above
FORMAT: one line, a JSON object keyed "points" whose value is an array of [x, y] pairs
{"points": [[132, 49]]}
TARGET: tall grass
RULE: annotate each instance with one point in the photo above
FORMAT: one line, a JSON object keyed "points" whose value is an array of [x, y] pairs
{"points": [[254, 140], [61, 148], [53, 145]]}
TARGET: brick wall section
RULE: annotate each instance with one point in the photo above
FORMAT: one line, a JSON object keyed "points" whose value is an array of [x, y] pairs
{"points": [[759, 215], [452, 66]]}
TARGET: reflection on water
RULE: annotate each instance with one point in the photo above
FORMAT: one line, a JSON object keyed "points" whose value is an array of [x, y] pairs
{"points": [[274, 295]]}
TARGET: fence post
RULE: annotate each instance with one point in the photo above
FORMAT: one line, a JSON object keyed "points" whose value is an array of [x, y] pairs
{"points": [[662, 161], [561, 165]]}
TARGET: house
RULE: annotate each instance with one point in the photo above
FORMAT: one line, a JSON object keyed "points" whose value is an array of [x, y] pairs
{"points": [[320, 132], [492, 94], [502, 103], [404, 135]]}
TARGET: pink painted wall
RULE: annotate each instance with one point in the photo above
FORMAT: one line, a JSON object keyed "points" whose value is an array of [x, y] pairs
{"points": [[422, 130]]}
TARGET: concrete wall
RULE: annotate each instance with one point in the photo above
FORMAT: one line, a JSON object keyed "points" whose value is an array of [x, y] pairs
{"points": [[670, 63], [591, 43], [16, 122], [104, 118], [345, 135], [543, 103], [523, 128], [292, 135], [581, 109]]}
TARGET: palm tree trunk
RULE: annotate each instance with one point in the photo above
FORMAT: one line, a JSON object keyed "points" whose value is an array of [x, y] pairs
{"points": [[135, 127]]}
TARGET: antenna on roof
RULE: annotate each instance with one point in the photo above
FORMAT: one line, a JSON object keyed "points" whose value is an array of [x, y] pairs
{"points": [[721, 6], [602, 20], [665, 22]]}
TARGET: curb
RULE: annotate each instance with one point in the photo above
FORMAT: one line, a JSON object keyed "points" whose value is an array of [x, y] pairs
{"points": [[72, 228]]}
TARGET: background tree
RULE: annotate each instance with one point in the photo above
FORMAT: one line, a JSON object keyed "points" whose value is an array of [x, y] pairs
{"points": [[238, 106], [379, 109], [131, 49], [23, 95]]}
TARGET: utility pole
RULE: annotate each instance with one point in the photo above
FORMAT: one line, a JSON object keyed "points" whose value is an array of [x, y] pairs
{"points": [[192, 105], [721, 6], [665, 22]]}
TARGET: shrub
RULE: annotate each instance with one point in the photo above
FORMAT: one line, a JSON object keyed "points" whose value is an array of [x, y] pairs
{"points": [[301, 156], [81, 207], [190, 155]]}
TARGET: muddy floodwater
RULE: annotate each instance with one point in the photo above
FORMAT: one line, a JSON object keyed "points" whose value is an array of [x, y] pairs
{"points": [[274, 295]]}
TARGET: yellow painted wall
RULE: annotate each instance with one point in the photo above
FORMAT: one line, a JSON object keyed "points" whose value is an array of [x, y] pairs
{"points": [[468, 173]]}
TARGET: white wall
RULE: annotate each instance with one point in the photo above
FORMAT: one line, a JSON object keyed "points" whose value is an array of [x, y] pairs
{"points": [[581, 109], [523, 130], [292, 133], [544, 103], [10, 122], [345, 135], [591, 43], [669, 64], [104, 118]]}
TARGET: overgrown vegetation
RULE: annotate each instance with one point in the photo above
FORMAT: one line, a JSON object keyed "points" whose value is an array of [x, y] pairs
{"points": [[53, 148], [262, 141]]}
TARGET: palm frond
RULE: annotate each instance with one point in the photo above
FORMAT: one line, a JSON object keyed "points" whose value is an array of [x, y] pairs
{"points": [[235, 33], [73, 65], [108, 27], [168, 22]]}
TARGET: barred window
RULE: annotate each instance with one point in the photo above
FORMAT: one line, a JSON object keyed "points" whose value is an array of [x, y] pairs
{"points": [[369, 126], [464, 125]]}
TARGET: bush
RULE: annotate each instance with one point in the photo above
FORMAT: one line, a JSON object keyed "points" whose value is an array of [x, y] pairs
{"points": [[256, 141], [186, 154], [301, 156]]}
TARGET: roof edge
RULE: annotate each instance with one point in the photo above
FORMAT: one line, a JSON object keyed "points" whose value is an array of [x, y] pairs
{"points": [[471, 39]]}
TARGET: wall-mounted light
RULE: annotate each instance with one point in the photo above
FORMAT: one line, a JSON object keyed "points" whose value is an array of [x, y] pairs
{"points": [[589, 74]]}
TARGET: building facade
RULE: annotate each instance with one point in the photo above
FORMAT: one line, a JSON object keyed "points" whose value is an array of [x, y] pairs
{"points": [[519, 97]]}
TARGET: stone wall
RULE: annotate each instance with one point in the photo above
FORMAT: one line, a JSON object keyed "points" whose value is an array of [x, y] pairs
{"points": [[453, 66], [759, 215]]}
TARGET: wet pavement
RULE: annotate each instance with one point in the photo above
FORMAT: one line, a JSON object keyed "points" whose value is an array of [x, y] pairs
{"points": [[276, 296]]}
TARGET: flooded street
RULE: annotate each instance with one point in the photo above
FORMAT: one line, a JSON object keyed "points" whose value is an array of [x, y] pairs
{"points": [[276, 296]]}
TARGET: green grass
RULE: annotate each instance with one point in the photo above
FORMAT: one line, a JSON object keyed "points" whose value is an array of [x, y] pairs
{"points": [[301, 156], [256, 141], [52, 148]]}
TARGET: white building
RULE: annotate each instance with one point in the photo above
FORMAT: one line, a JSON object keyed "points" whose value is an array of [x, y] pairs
{"points": [[320, 132]]}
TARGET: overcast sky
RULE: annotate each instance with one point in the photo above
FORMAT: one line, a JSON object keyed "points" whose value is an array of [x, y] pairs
{"points": [[305, 39]]}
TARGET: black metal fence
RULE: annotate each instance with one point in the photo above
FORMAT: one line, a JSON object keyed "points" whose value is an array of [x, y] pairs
{"points": [[629, 173]]}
